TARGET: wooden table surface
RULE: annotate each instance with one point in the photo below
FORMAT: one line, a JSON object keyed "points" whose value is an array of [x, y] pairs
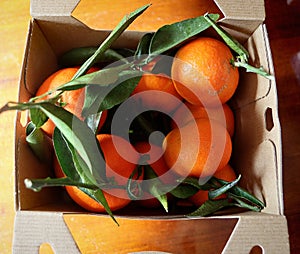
{"points": [[283, 25]]}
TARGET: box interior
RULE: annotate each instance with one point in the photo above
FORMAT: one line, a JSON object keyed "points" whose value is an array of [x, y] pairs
{"points": [[254, 102]]}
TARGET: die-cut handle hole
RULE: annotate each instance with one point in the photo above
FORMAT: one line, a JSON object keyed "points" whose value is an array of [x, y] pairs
{"points": [[257, 250], [269, 119]]}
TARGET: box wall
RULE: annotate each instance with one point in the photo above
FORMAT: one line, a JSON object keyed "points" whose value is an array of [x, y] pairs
{"points": [[254, 96], [250, 106]]}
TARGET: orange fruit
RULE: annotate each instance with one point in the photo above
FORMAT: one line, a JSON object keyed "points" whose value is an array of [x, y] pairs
{"points": [[157, 92], [159, 166], [197, 149], [227, 173], [202, 72], [156, 160], [149, 66], [117, 167], [74, 99], [223, 115]]}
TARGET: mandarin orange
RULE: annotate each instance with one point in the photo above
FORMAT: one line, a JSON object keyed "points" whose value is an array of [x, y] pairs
{"points": [[223, 115], [74, 99], [202, 72], [157, 92], [197, 149], [118, 168]]}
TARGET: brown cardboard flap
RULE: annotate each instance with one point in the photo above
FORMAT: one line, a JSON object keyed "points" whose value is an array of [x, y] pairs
{"points": [[240, 21], [268, 233], [55, 8], [77, 233], [242, 9], [32, 230]]}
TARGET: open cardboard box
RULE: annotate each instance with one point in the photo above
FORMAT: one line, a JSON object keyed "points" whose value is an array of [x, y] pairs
{"points": [[50, 217]]}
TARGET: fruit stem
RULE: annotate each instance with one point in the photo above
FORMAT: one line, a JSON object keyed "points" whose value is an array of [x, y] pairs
{"points": [[249, 68], [38, 184]]}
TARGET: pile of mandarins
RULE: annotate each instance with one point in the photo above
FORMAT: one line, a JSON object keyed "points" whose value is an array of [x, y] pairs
{"points": [[200, 123]]}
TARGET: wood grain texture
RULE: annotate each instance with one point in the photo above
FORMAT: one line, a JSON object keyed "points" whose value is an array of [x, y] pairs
{"points": [[282, 19]]}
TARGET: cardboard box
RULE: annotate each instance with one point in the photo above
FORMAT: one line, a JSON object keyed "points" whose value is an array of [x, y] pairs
{"points": [[51, 217]]}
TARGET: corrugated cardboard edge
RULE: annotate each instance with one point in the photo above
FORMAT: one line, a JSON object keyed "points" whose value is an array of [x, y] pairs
{"points": [[240, 21], [32, 230], [267, 231], [50, 227]]}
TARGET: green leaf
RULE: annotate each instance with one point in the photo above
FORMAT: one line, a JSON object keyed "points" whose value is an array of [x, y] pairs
{"points": [[240, 203], [143, 46], [91, 190], [77, 56], [38, 142], [195, 183], [98, 196], [154, 186], [75, 169], [64, 156], [209, 207], [93, 121], [243, 194], [184, 191], [229, 40], [102, 77], [80, 136], [133, 186], [120, 28], [172, 35], [37, 117], [98, 98], [212, 194], [119, 93]]}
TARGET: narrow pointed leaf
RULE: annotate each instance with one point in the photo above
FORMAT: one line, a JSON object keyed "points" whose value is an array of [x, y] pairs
{"points": [[98, 196], [229, 40], [75, 169], [37, 117], [155, 187], [195, 183], [64, 156], [172, 35], [38, 142], [102, 77], [77, 56], [240, 192], [133, 187], [143, 46], [184, 191], [240, 203], [120, 28], [98, 98], [209, 207], [93, 121], [212, 194], [81, 137]]}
